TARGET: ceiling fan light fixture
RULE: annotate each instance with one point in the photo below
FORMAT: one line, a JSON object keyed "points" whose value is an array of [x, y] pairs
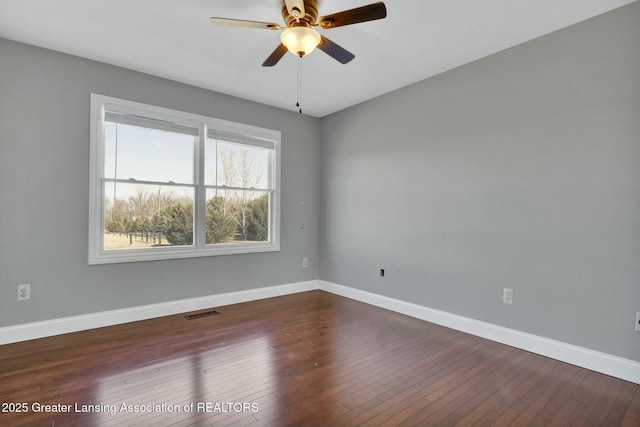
{"points": [[300, 41]]}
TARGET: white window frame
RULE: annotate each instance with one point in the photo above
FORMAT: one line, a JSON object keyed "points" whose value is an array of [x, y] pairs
{"points": [[97, 253]]}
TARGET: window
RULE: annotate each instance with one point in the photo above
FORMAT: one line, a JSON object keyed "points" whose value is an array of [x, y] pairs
{"points": [[167, 184]]}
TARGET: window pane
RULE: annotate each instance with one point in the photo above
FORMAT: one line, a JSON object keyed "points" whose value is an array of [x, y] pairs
{"points": [[148, 153], [236, 165], [235, 216], [163, 189], [144, 216]]}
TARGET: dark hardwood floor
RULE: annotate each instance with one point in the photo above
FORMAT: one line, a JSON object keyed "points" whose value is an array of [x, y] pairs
{"points": [[305, 359]]}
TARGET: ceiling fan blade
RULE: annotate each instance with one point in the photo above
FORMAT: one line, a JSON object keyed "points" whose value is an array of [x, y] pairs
{"points": [[244, 23], [335, 51], [366, 13], [275, 56], [295, 4]]}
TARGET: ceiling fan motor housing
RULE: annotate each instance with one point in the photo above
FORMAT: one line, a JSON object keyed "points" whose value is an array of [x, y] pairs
{"points": [[310, 15]]}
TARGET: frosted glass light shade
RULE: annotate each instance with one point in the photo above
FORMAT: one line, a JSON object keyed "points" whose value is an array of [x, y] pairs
{"points": [[300, 40]]}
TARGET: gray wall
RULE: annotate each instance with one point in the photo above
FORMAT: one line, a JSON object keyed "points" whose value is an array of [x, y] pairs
{"points": [[519, 170], [44, 192]]}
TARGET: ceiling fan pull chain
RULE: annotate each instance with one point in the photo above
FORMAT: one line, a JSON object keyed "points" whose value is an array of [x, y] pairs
{"points": [[299, 103]]}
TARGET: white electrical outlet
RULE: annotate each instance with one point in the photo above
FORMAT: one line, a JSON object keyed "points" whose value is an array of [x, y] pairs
{"points": [[24, 292], [305, 262], [637, 321], [507, 296]]}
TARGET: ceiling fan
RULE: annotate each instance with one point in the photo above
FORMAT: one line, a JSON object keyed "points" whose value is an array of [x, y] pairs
{"points": [[299, 38]]}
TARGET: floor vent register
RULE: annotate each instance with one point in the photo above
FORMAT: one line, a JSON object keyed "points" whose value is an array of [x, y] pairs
{"points": [[202, 314]]}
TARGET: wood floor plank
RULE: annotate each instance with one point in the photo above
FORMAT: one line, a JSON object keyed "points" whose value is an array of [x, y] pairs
{"points": [[621, 405], [632, 417], [605, 402], [571, 406], [492, 395], [450, 391], [561, 398], [468, 397], [311, 358]]}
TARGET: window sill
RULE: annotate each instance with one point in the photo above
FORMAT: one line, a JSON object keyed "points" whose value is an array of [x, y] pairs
{"points": [[136, 255]]}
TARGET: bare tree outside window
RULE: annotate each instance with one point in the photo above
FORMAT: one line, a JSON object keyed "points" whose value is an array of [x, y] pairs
{"points": [[237, 200]]}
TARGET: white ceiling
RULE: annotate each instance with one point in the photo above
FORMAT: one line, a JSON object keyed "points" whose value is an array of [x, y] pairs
{"points": [[174, 39]]}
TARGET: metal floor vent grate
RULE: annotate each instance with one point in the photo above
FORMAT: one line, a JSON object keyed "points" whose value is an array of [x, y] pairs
{"points": [[199, 315]]}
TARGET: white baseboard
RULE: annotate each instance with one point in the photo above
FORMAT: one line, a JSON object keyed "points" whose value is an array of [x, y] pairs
{"points": [[618, 367], [614, 366], [47, 328]]}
